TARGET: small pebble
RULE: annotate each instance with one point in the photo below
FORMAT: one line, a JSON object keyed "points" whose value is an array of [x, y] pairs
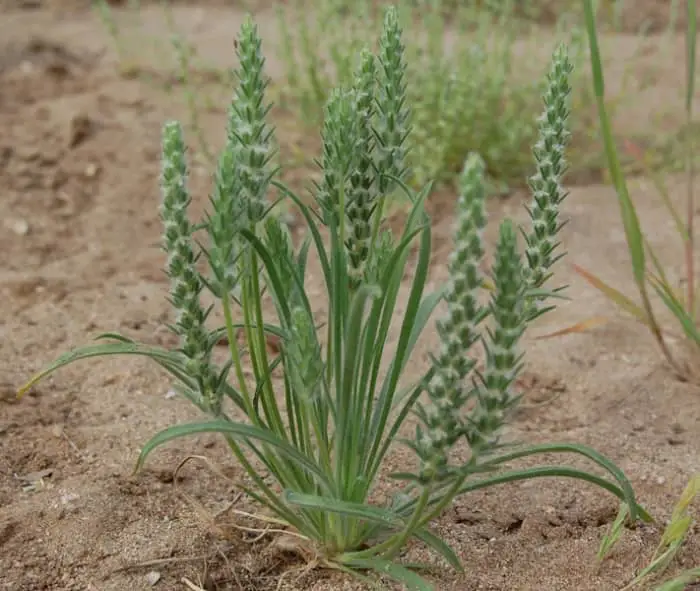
{"points": [[19, 227], [91, 170], [153, 577]]}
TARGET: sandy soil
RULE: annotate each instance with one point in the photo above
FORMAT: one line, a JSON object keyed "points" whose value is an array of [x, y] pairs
{"points": [[78, 169]]}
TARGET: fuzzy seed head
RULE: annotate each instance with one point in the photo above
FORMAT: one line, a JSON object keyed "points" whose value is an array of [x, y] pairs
{"points": [[546, 184], [393, 114], [362, 194], [185, 282], [249, 136], [508, 311], [459, 328]]}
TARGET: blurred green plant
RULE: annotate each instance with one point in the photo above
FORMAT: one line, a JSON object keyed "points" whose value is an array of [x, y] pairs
{"points": [[649, 272], [467, 87], [674, 536]]}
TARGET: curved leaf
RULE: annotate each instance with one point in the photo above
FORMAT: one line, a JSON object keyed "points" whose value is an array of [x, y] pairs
{"points": [[237, 430], [167, 359], [636, 511], [391, 569], [361, 511], [440, 546]]}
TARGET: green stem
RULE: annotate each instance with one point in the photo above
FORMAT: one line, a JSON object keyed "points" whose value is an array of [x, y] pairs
{"points": [[446, 499], [235, 353], [415, 522], [378, 217], [388, 548], [271, 406], [275, 502]]}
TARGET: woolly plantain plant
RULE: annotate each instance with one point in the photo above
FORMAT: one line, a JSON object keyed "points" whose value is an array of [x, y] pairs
{"points": [[314, 441]]}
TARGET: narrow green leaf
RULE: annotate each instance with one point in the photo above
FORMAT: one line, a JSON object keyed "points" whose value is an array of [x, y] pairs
{"points": [[691, 38], [636, 511], [629, 214], [548, 472], [123, 347], [395, 571], [681, 581], [406, 338], [441, 547], [616, 296], [350, 427], [237, 430], [671, 301], [271, 269], [358, 510], [614, 532], [313, 228], [630, 220]]}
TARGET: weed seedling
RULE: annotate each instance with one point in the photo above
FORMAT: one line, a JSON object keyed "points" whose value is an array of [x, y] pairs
{"points": [[672, 540]]}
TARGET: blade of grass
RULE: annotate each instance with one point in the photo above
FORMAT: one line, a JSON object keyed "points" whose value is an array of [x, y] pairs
{"points": [[615, 295], [691, 41], [630, 220], [579, 327]]}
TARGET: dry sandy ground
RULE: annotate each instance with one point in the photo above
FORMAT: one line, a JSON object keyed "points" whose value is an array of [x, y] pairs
{"points": [[78, 176]]}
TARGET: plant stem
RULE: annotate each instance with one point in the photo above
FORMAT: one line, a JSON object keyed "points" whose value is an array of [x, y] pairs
{"points": [[399, 541], [690, 42], [235, 354], [378, 217], [388, 548]]}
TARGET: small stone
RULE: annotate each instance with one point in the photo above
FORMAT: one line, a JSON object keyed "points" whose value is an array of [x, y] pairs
{"points": [[20, 227], [170, 394], [153, 577], [27, 68], [660, 480], [91, 170]]}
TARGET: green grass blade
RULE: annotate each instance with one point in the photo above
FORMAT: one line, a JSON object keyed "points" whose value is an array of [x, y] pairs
{"points": [[681, 582], [630, 220], [636, 511], [616, 296], [656, 262], [271, 269], [629, 214], [672, 302], [313, 228], [236, 430], [350, 427], [406, 338], [614, 533], [397, 572], [423, 314], [357, 510], [652, 173], [408, 405], [691, 43], [550, 472], [440, 546], [123, 347]]}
